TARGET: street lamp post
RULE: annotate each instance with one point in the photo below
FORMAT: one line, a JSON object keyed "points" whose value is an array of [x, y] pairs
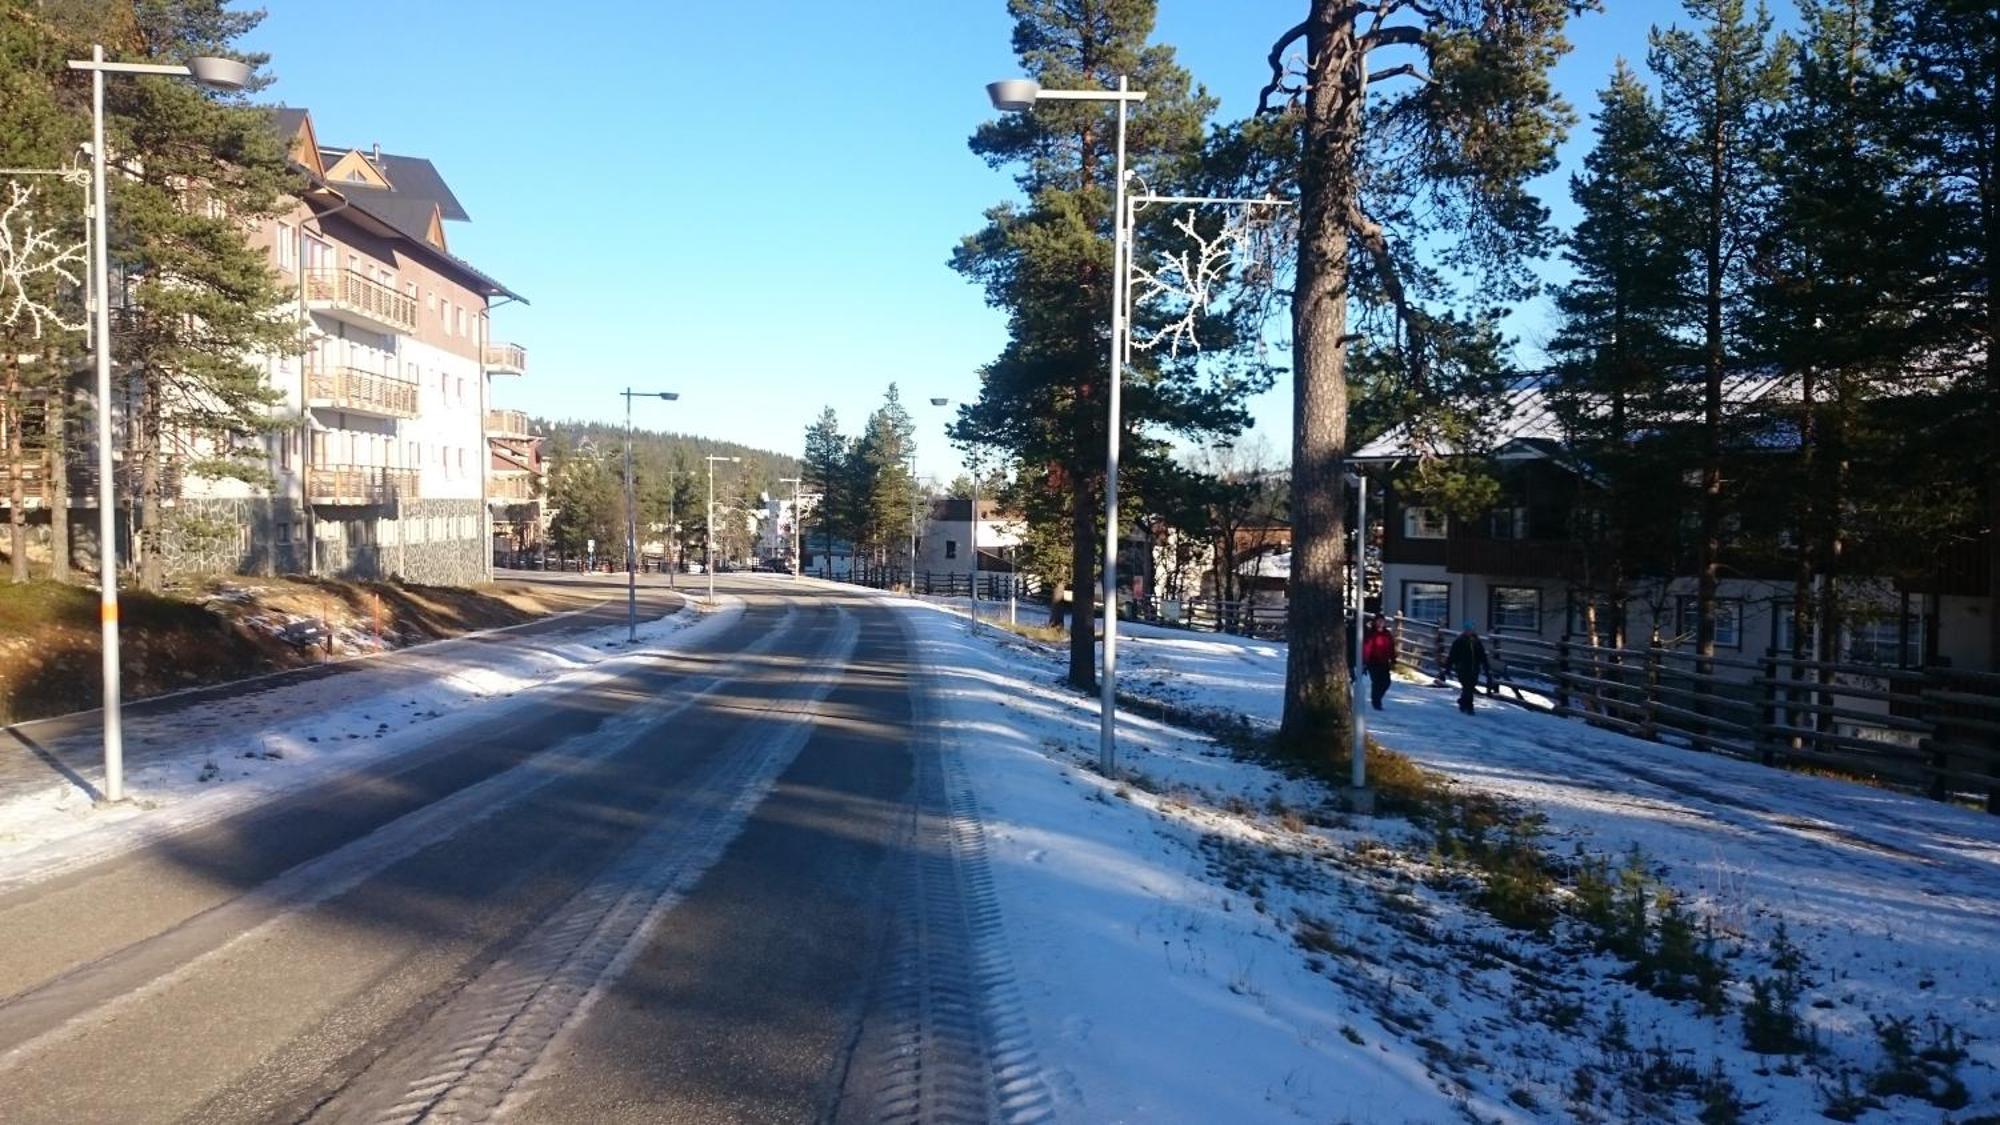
{"points": [[710, 530], [1358, 775], [632, 517], [1017, 95], [796, 555], [218, 73]]}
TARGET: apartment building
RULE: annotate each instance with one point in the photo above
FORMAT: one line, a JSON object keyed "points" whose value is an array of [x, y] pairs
{"points": [[386, 472]]}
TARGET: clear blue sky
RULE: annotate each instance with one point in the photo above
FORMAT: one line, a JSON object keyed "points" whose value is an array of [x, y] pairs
{"points": [[751, 204]]}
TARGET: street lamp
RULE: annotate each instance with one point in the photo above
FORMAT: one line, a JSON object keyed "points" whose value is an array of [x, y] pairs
{"points": [[974, 473], [710, 533], [221, 74], [632, 517], [1015, 95], [1358, 774], [796, 555]]}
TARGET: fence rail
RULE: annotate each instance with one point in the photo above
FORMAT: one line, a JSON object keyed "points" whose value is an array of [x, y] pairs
{"points": [[1932, 729]]}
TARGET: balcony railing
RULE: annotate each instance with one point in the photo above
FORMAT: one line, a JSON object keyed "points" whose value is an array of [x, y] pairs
{"points": [[360, 484], [362, 298], [517, 487], [506, 359], [362, 392], [507, 423]]}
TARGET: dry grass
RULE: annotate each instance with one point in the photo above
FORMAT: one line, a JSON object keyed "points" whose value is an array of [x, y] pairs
{"points": [[203, 632]]}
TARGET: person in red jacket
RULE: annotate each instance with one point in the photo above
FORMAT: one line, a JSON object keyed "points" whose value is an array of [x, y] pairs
{"points": [[1378, 656]]}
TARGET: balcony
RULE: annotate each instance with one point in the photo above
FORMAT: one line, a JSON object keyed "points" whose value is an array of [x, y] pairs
{"points": [[507, 424], [506, 359], [360, 392], [359, 484], [357, 299], [512, 488]]}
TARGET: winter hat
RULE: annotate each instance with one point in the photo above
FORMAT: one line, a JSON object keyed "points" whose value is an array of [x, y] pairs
{"points": [[1470, 627]]}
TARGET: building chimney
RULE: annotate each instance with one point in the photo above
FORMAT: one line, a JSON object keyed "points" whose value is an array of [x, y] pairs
{"points": [[378, 154]]}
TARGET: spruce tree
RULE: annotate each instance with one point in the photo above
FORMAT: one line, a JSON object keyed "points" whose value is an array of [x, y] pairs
{"points": [[1616, 347], [1416, 127]]}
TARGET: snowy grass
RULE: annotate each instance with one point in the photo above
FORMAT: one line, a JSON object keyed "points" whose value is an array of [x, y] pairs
{"points": [[1588, 928]]}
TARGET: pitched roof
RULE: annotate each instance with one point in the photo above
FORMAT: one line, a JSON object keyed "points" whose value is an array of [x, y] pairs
{"points": [[411, 216], [1524, 421], [413, 175]]}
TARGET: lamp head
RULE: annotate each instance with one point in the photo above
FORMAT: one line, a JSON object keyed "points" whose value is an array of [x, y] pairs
{"points": [[669, 396], [1013, 95], [219, 73], [939, 401]]}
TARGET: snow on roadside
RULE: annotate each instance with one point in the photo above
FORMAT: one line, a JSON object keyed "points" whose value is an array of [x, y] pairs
{"points": [[197, 765], [1210, 940]]}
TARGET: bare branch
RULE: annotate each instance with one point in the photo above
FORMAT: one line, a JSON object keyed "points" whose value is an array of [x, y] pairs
{"points": [[1398, 71], [1412, 319], [1401, 35], [1277, 60]]}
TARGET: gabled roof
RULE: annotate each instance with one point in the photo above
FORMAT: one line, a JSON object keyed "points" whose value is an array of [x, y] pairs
{"points": [[413, 175], [1524, 423], [413, 217]]}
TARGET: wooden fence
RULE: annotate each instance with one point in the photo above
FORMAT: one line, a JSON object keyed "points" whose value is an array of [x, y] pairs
{"points": [[1211, 615], [1933, 729]]}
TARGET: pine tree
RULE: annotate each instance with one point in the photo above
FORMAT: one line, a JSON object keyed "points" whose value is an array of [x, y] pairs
{"points": [[1617, 346], [40, 128], [1839, 303], [196, 171], [882, 487], [1720, 87], [1417, 125], [1048, 263], [823, 471], [1952, 120]]}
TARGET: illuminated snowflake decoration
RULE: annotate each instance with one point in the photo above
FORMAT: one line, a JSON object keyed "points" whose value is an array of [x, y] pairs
{"points": [[33, 265], [1188, 282]]}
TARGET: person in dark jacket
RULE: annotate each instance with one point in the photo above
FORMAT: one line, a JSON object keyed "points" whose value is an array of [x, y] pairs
{"points": [[1378, 657], [1467, 661]]}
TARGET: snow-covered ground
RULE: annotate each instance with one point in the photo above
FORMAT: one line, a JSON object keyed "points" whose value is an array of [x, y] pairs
{"points": [[1208, 938], [194, 766]]}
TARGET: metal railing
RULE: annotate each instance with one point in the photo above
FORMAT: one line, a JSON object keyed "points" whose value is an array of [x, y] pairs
{"points": [[348, 388], [360, 484], [358, 293]]}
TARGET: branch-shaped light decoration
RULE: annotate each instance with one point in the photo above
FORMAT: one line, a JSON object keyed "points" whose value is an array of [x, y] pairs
{"points": [[1187, 282], [31, 259]]}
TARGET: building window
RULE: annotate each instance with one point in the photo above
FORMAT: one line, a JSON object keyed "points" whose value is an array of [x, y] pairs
{"points": [[1879, 640], [284, 532], [430, 302], [1424, 523], [1514, 609], [951, 548], [458, 314], [1728, 620], [285, 247], [1427, 601], [461, 391], [1507, 523]]}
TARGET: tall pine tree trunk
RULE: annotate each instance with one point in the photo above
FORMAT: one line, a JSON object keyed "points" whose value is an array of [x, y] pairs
{"points": [[1317, 691], [146, 536], [12, 423], [58, 470], [1710, 573], [1083, 572]]}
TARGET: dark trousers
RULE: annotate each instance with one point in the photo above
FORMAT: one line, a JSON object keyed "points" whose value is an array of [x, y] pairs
{"points": [[1466, 686], [1378, 683]]}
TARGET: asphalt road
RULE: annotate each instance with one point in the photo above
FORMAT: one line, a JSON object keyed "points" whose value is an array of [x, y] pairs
{"points": [[727, 884]]}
